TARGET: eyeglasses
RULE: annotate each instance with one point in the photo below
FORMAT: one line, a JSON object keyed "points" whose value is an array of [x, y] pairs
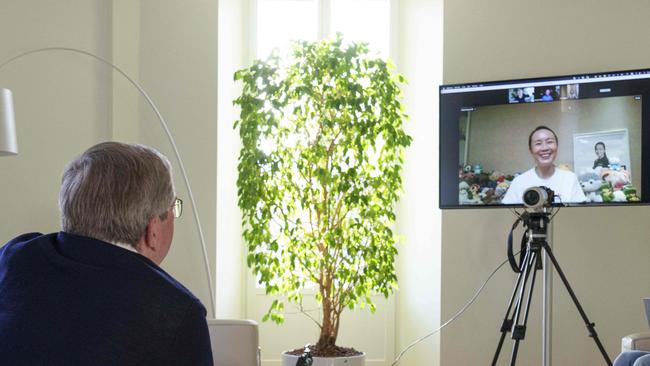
{"points": [[177, 207]]}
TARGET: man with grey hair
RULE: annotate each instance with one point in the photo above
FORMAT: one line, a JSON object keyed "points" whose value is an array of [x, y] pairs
{"points": [[94, 294]]}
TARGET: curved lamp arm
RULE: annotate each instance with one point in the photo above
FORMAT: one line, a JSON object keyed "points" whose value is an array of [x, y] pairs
{"points": [[169, 137]]}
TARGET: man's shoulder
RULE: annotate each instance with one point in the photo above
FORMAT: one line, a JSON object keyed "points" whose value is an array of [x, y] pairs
{"points": [[175, 290], [134, 272], [23, 238], [86, 259], [21, 243]]}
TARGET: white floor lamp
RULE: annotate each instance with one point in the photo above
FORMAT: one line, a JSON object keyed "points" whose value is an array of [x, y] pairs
{"points": [[9, 145]]}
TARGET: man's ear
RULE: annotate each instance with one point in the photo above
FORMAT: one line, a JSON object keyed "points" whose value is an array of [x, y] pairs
{"points": [[148, 243]]}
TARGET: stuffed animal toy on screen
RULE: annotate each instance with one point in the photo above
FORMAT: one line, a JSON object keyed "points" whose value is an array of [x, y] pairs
{"points": [[630, 193], [614, 163], [590, 183], [501, 189], [616, 178], [606, 192], [465, 196], [497, 176]]}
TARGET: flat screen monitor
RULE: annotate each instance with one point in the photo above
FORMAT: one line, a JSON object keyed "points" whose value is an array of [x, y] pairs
{"points": [[584, 137]]}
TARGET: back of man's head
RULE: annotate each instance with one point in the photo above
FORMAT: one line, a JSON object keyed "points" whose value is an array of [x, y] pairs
{"points": [[112, 190]]}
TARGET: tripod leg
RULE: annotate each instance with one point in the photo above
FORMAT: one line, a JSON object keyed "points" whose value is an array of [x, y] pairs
{"points": [[519, 330], [506, 326], [589, 324]]}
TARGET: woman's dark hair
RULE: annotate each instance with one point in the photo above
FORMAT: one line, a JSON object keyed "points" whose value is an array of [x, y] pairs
{"points": [[604, 149], [530, 137]]}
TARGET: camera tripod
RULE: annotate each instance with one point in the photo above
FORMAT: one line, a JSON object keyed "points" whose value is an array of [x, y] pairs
{"points": [[519, 306]]}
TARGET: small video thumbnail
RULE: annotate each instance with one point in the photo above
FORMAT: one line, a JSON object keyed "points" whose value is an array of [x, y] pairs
{"points": [[547, 93], [521, 95], [570, 91]]}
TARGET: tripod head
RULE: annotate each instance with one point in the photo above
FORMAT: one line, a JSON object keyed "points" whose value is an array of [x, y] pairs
{"points": [[537, 224]]}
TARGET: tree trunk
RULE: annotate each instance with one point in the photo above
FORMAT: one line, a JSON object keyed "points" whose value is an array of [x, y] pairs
{"points": [[329, 329]]}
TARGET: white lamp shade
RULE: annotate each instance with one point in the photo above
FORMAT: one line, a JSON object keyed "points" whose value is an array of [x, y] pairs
{"points": [[8, 143]]}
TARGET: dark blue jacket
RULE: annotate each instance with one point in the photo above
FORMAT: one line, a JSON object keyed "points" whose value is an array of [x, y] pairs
{"points": [[72, 300]]}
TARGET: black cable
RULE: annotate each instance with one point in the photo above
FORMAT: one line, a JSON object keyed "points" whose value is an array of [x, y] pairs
{"points": [[516, 267]]}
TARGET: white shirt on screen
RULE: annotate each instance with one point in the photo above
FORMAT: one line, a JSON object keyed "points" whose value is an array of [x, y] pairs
{"points": [[563, 182]]}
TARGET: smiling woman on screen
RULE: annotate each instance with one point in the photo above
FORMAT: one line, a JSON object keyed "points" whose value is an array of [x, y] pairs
{"points": [[542, 144]]}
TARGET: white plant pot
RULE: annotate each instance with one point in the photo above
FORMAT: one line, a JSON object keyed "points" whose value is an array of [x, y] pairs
{"points": [[358, 360]]}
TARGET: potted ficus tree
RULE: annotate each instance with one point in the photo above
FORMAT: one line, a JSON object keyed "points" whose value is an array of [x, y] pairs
{"points": [[319, 175]]}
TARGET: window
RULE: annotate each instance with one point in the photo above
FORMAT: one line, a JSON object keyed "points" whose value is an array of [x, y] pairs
{"points": [[280, 21], [374, 28]]}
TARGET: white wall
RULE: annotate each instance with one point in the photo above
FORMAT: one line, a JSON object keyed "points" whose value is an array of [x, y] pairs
{"points": [[172, 48], [178, 66], [62, 102], [125, 29], [419, 59], [603, 251], [231, 268]]}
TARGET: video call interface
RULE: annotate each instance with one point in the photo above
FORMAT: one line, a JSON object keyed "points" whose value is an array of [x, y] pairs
{"points": [[597, 123]]}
